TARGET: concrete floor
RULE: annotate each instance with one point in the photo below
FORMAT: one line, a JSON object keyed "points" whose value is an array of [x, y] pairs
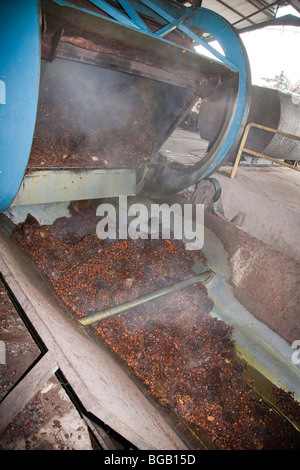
{"points": [[184, 146], [278, 184], [269, 200]]}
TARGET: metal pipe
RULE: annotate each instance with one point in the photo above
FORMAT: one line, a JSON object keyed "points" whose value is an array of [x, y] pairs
{"points": [[115, 310]]}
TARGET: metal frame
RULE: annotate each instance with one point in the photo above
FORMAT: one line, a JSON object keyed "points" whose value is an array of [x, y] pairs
{"points": [[46, 186], [171, 15], [161, 180], [287, 20], [242, 148], [261, 6]]}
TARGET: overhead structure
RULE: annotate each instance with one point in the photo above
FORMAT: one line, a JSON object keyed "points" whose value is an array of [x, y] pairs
{"points": [[248, 15]]}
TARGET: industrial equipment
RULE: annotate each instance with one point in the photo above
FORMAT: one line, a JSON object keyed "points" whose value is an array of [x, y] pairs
{"points": [[269, 107], [165, 347], [90, 85]]}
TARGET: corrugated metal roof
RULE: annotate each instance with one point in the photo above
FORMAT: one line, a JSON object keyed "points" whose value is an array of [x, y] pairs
{"points": [[295, 4], [235, 11], [244, 13]]}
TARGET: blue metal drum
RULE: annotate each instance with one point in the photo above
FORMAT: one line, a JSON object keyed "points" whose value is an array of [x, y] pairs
{"points": [[19, 89], [79, 42]]}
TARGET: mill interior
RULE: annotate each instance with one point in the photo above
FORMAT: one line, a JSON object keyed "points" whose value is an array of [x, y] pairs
{"points": [[119, 329]]}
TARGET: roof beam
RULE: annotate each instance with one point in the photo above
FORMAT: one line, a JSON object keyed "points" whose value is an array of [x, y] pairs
{"points": [[295, 4], [235, 11], [258, 11], [263, 7], [287, 20]]}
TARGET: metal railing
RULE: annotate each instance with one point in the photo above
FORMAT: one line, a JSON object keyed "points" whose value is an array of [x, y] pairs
{"points": [[242, 148]]}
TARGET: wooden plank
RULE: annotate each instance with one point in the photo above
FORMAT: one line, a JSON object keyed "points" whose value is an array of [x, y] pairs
{"points": [[101, 435], [26, 389], [100, 383]]}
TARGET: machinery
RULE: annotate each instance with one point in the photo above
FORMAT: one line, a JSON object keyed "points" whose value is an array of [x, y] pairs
{"points": [[90, 91], [270, 108], [138, 60]]}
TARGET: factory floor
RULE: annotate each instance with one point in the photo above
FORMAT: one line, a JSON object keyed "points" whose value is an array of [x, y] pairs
{"points": [[267, 198], [278, 184]]}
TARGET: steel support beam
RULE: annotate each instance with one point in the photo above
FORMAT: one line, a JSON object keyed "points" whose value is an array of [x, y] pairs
{"points": [[48, 186]]}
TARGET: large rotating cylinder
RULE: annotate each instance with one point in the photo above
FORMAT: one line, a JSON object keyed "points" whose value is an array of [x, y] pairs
{"points": [[277, 110], [90, 89], [270, 108]]}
